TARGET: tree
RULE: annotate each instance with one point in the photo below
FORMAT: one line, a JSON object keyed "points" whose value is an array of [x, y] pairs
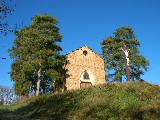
{"points": [[7, 96], [124, 40], [38, 62], [5, 10]]}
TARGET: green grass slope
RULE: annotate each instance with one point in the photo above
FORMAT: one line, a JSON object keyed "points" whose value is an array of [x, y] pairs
{"points": [[128, 101]]}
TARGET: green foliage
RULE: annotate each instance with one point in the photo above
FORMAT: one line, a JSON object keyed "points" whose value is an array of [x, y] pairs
{"points": [[6, 9], [115, 58], [130, 101], [35, 47]]}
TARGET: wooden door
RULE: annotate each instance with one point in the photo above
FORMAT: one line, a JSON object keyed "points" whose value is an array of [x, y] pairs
{"points": [[85, 84]]}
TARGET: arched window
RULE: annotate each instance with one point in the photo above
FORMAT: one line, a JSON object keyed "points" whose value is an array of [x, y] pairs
{"points": [[86, 75]]}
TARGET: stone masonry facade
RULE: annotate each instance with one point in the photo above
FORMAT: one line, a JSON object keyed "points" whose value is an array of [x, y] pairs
{"points": [[85, 68]]}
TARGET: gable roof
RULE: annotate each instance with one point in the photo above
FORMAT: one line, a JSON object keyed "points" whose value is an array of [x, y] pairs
{"points": [[88, 48]]}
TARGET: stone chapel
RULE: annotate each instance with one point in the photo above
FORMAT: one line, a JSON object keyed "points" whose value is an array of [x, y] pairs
{"points": [[85, 68]]}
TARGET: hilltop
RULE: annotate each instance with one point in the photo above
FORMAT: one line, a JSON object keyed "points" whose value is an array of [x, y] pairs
{"points": [[126, 101]]}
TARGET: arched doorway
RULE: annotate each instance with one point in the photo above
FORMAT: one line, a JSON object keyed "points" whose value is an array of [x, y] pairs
{"points": [[87, 79]]}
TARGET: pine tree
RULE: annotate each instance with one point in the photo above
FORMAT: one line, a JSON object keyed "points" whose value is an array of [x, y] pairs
{"points": [[38, 62], [115, 60]]}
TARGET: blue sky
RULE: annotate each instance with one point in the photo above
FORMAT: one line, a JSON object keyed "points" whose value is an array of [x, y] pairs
{"points": [[88, 22]]}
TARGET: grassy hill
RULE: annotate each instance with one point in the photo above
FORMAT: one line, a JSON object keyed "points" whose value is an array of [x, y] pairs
{"points": [[127, 101]]}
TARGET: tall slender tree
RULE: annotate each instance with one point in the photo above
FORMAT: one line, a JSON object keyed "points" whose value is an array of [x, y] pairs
{"points": [[38, 61], [118, 65]]}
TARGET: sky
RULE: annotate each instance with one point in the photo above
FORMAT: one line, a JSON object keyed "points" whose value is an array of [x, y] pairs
{"points": [[88, 22]]}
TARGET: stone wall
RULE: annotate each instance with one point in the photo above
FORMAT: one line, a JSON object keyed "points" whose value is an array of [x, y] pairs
{"points": [[79, 61]]}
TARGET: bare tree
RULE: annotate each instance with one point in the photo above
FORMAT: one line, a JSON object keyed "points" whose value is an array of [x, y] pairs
{"points": [[7, 96]]}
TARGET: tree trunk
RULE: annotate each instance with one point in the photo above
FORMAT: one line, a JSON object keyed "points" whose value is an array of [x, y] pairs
{"points": [[128, 70], [38, 82], [44, 91], [126, 52], [35, 91]]}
